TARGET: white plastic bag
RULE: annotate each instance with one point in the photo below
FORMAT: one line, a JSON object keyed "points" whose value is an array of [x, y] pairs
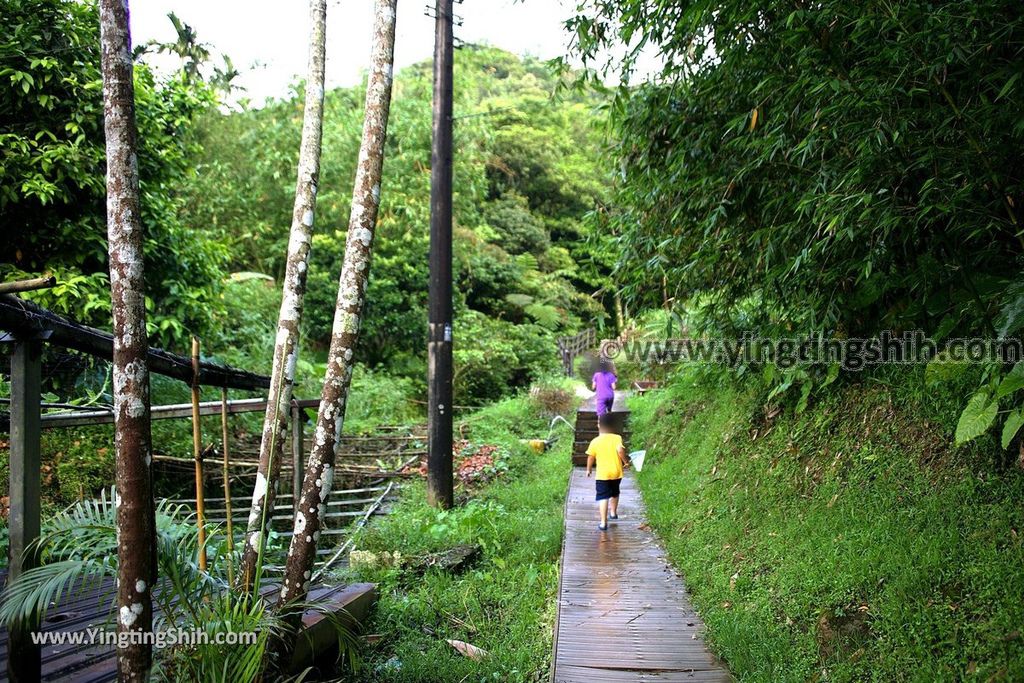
{"points": [[636, 458]]}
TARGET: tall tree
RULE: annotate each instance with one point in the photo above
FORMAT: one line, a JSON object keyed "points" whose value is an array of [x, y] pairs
{"points": [[286, 349], [136, 524], [355, 272]]}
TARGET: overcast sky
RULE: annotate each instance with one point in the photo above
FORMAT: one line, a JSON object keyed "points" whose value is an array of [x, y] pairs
{"points": [[267, 38]]}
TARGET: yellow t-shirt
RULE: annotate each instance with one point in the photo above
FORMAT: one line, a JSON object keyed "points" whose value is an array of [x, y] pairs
{"points": [[605, 449]]}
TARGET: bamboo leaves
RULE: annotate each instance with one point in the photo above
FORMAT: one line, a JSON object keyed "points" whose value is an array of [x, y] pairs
{"points": [[887, 150]]}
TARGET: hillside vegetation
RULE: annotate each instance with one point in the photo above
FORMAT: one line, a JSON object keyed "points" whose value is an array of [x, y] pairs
{"points": [[217, 187], [526, 173], [217, 191], [849, 542]]}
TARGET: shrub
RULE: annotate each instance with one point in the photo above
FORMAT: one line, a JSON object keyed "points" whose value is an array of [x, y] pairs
{"points": [[84, 462]]}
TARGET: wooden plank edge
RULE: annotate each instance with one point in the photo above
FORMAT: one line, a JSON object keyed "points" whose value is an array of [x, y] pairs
{"points": [[317, 639], [561, 576]]}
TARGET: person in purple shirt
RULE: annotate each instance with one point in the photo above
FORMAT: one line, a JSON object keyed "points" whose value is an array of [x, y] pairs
{"points": [[603, 384]]}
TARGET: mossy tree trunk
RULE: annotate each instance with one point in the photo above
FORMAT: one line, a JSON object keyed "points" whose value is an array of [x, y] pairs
{"points": [[319, 473], [286, 348], [136, 526]]}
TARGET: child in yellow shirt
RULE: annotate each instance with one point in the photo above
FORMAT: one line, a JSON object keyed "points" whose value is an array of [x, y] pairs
{"points": [[608, 453]]}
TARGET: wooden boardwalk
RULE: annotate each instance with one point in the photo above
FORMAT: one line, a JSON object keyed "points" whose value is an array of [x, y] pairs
{"points": [[623, 612], [93, 608]]}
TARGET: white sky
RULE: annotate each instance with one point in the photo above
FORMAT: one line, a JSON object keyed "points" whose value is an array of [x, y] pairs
{"points": [[266, 39]]}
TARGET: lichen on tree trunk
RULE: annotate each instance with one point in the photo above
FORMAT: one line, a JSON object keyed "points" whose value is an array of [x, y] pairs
{"points": [[319, 472], [287, 342], [136, 526]]}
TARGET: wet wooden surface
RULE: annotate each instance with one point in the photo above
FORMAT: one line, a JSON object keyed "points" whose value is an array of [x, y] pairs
{"points": [[623, 612], [93, 608]]}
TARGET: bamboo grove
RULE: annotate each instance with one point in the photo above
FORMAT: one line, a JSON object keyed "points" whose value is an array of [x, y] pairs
{"points": [[822, 167]]}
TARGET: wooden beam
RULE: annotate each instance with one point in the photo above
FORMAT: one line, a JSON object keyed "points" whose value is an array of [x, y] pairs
{"points": [[318, 638], [23, 662], [166, 412], [20, 316], [27, 285]]}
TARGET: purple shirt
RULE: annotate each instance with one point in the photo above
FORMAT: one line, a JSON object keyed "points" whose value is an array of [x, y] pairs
{"points": [[603, 382]]}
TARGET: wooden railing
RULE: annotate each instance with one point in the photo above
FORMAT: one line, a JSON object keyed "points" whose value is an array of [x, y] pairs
{"points": [[25, 321], [571, 347], [25, 327]]}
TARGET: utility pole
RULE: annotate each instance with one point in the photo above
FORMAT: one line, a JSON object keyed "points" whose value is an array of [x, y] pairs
{"points": [[439, 339]]}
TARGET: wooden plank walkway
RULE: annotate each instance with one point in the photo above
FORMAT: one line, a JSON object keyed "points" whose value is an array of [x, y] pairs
{"points": [[93, 608], [623, 612]]}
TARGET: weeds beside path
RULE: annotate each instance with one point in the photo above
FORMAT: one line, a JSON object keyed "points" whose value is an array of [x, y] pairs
{"points": [[505, 602], [851, 542]]}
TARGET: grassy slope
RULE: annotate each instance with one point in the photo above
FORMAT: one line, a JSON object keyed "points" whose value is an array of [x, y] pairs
{"points": [[507, 599], [847, 543]]}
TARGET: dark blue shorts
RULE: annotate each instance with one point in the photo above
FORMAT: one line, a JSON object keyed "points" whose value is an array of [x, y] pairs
{"points": [[608, 488]]}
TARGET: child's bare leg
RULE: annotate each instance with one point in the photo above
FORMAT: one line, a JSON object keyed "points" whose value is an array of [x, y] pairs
{"points": [[613, 506], [602, 506]]}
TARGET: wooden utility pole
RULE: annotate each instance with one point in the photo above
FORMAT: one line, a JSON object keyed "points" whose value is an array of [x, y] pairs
{"points": [[439, 339], [136, 523]]}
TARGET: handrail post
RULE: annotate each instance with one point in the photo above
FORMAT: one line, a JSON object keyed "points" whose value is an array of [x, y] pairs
{"points": [[197, 454], [297, 454], [23, 662]]}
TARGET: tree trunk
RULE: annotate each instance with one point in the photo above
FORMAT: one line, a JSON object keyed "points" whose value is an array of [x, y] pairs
{"points": [[286, 350], [136, 526], [355, 271]]}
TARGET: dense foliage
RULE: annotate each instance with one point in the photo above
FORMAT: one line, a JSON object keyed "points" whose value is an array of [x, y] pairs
{"points": [[52, 187], [526, 172], [836, 167], [217, 188]]}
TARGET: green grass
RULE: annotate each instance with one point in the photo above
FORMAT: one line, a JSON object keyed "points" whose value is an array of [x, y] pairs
{"points": [[851, 542], [505, 603]]}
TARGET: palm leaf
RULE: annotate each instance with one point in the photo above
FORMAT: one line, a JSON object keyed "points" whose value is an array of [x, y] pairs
{"points": [[79, 549], [40, 587]]}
